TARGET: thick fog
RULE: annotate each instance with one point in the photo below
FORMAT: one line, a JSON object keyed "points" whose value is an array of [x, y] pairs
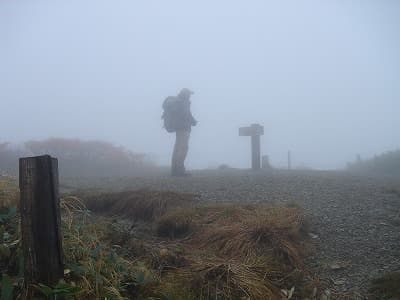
{"points": [[323, 77]]}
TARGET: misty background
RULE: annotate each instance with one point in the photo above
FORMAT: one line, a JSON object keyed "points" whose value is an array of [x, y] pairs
{"points": [[323, 77]]}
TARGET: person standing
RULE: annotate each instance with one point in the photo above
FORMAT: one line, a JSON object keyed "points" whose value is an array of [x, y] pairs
{"points": [[178, 118]]}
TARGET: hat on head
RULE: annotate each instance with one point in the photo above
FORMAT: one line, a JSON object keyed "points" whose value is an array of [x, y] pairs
{"points": [[185, 92]]}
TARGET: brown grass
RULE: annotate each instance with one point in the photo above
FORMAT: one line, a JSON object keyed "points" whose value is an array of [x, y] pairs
{"points": [[239, 251], [241, 230], [144, 205], [9, 192], [176, 224], [210, 277], [226, 251]]}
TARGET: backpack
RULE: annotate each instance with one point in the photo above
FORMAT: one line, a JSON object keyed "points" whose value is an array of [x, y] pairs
{"points": [[172, 115]]}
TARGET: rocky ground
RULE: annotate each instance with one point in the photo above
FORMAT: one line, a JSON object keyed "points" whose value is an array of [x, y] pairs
{"points": [[355, 219]]}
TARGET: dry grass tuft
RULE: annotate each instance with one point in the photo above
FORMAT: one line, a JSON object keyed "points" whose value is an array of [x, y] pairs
{"points": [[9, 192], [176, 224], [241, 230], [141, 205], [210, 277], [238, 251]]}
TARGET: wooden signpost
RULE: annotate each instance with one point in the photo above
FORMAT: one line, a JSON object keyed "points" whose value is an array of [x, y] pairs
{"points": [[40, 220], [254, 131]]}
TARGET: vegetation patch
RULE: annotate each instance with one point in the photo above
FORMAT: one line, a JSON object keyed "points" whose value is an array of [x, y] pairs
{"points": [[94, 268], [387, 163], [9, 192], [141, 205], [175, 249], [242, 230], [235, 251], [386, 287], [176, 224], [393, 190], [211, 277], [80, 158]]}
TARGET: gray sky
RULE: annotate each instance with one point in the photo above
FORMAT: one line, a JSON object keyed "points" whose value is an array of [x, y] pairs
{"points": [[323, 77]]}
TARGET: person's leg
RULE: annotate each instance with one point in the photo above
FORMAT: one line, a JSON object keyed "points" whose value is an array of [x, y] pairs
{"points": [[184, 149], [180, 151], [175, 155]]}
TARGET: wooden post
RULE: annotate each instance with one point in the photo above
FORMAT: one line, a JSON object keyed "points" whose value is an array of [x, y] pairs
{"points": [[265, 162], [40, 220], [254, 131], [255, 152]]}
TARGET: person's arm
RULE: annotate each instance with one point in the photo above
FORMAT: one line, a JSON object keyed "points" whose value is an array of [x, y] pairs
{"points": [[188, 113]]}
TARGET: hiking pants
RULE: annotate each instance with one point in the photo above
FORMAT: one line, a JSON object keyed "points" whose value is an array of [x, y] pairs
{"points": [[180, 152]]}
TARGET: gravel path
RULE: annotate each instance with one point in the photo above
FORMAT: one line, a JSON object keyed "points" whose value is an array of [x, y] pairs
{"points": [[355, 219]]}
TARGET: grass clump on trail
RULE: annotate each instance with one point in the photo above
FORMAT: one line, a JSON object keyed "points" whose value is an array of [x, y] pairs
{"points": [[168, 246], [240, 230], [213, 277], [238, 250], [143, 205]]}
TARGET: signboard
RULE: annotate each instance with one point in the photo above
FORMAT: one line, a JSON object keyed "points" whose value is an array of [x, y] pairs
{"points": [[252, 130]]}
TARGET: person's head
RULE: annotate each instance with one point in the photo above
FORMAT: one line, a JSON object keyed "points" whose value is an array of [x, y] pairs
{"points": [[185, 93]]}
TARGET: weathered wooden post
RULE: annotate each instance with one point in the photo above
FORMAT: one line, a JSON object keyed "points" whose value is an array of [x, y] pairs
{"points": [[40, 220], [255, 131]]}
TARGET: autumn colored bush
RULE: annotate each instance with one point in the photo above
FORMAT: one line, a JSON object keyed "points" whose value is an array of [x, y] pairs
{"points": [[78, 158]]}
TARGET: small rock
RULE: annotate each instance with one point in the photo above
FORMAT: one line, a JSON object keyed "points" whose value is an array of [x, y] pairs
{"points": [[337, 266], [326, 295], [164, 252], [340, 281]]}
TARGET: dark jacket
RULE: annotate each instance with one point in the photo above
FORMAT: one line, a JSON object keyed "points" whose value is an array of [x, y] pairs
{"points": [[187, 119]]}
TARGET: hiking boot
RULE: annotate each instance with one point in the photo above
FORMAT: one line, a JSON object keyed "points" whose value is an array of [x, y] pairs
{"points": [[181, 174]]}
